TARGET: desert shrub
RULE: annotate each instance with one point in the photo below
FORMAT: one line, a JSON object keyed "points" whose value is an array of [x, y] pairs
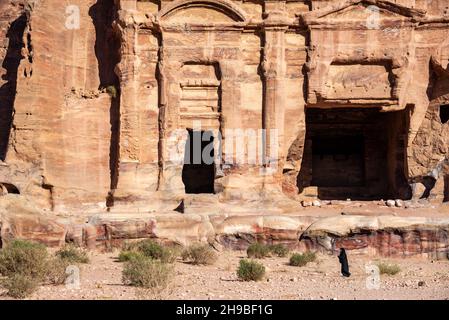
{"points": [[112, 91], [388, 269], [130, 246], [199, 254], [20, 285], [126, 255], [301, 259], [150, 249], [250, 270], [279, 250], [24, 265], [24, 257], [141, 271], [170, 254], [258, 251], [72, 254], [56, 273]]}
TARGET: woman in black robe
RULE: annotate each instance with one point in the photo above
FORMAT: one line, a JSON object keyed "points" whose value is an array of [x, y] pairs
{"points": [[344, 263]]}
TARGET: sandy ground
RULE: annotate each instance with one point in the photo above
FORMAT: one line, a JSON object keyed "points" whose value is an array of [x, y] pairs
{"points": [[376, 208], [418, 279]]}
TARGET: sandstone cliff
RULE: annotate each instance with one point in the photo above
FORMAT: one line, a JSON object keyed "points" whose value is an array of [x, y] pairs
{"points": [[88, 107]]}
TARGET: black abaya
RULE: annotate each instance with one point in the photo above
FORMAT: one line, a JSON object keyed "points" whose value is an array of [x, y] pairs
{"points": [[344, 263]]}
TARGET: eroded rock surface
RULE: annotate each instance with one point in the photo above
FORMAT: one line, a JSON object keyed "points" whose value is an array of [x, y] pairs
{"points": [[100, 103], [372, 235]]}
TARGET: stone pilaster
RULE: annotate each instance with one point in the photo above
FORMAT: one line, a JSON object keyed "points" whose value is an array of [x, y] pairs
{"points": [[230, 104], [129, 112], [274, 69]]}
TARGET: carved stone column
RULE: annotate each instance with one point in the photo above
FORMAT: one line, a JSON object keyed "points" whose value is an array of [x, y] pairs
{"points": [[273, 67], [129, 117], [230, 104], [171, 137]]}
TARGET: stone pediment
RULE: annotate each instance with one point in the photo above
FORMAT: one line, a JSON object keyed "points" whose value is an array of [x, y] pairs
{"points": [[202, 12], [357, 11]]}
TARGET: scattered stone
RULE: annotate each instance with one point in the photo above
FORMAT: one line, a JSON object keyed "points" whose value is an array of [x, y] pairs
{"points": [[390, 203], [418, 190], [306, 204], [316, 203], [399, 203], [423, 202]]}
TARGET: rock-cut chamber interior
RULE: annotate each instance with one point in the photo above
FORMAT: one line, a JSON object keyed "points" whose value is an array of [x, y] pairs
{"points": [[198, 173], [356, 153]]}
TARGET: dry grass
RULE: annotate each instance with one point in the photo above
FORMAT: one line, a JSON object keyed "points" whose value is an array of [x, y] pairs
{"points": [[258, 250], [25, 265], [199, 254], [144, 272], [72, 254], [301, 259], [150, 249], [388, 269], [250, 270]]}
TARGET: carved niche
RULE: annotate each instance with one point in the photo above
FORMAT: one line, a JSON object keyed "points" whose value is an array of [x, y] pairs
{"points": [[358, 81], [358, 56], [200, 95]]}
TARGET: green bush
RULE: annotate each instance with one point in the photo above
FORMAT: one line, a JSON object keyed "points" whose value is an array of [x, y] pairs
{"points": [[56, 273], [150, 249], [250, 270], [20, 285], [72, 254], [24, 257], [141, 271], [24, 265], [112, 91], [128, 255], [388, 269], [258, 251], [199, 254], [279, 250], [301, 259]]}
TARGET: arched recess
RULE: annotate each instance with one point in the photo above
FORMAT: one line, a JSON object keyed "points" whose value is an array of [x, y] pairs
{"points": [[6, 188], [225, 7]]}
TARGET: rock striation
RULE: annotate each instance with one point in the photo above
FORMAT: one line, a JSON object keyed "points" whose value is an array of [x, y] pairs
{"points": [[107, 108]]}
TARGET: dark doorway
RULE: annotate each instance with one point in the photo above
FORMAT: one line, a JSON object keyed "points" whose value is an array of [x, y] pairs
{"points": [[198, 173], [338, 161], [8, 85], [444, 113], [446, 188], [10, 188], [356, 153]]}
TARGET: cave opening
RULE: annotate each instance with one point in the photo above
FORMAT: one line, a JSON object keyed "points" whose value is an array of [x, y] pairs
{"points": [[444, 113], [198, 173], [355, 153], [9, 188], [8, 85], [338, 161], [446, 189]]}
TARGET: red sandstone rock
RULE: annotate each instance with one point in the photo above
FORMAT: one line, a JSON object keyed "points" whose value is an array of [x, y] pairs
{"points": [[19, 219], [95, 117]]}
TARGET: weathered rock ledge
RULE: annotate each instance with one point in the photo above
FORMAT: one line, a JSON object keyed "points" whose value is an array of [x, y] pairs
{"points": [[371, 235]]}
